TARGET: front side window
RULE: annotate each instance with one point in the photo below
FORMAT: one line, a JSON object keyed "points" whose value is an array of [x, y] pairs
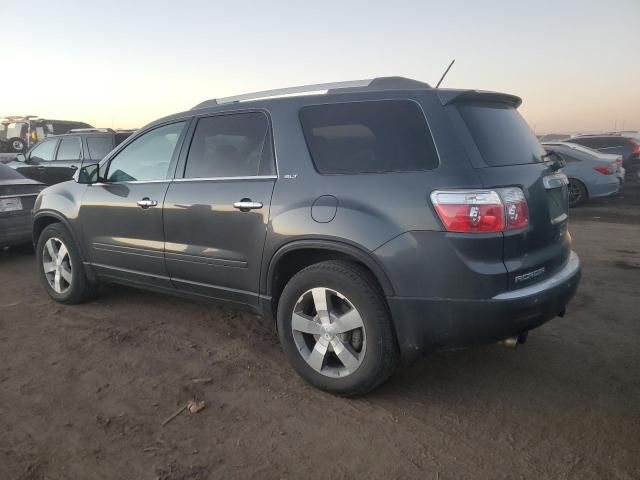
{"points": [[99, 147], [236, 145], [368, 137], [70, 149], [147, 157], [44, 152]]}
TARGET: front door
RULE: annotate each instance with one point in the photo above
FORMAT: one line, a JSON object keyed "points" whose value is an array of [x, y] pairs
{"points": [[122, 216], [216, 215], [38, 159]]}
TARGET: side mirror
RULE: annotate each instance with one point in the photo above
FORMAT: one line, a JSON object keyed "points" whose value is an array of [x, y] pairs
{"points": [[21, 157], [88, 174]]}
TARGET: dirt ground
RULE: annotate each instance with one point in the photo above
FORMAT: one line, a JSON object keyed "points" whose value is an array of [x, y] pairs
{"points": [[84, 390]]}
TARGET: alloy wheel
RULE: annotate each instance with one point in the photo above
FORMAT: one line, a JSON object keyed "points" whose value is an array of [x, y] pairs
{"points": [[328, 332], [575, 194], [56, 264]]}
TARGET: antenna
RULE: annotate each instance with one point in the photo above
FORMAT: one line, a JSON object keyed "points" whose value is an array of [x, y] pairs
{"points": [[445, 73]]}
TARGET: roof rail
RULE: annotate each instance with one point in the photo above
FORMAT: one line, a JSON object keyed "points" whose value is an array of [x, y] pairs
{"points": [[87, 130], [379, 83]]}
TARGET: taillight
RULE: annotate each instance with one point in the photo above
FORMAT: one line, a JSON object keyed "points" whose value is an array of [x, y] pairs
{"points": [[481, 210], [635, 146], [605, 169], [515, 208]]}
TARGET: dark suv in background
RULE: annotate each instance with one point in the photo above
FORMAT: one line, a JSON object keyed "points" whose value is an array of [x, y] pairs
{"points": [[376, 222], [56, 158]]}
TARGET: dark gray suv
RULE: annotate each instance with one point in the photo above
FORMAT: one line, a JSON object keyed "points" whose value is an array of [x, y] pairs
{"points": [[378, 221]]}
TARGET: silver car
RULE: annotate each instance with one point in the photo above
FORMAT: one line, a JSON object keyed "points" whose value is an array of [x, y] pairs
{"points": [[591, 174]]}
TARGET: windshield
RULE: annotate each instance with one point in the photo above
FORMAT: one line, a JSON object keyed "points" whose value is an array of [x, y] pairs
{"points": [[501, 134]]}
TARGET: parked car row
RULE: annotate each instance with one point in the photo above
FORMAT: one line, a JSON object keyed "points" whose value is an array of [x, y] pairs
{"points": [[597, 165], [591, 174], [627, 145], [56, 158], [17, 199]]}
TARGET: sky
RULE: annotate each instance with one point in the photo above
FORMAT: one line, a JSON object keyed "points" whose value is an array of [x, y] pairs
{"points": [[122, 64]]}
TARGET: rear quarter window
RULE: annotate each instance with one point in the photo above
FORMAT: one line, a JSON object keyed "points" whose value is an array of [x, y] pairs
{"points": [[99, 147], [501, 134], [368, 137]]}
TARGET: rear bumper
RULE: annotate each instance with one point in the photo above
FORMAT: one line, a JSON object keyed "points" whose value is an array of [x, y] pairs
{"points": [[429, 324], [15, 229], [604, 188]]}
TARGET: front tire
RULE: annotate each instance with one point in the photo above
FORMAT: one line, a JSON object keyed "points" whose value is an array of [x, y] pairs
{"points": [[335, 328], [60, 266]]}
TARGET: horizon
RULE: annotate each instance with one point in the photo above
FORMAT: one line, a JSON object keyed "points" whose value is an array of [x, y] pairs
{"points": [[574, 65]]}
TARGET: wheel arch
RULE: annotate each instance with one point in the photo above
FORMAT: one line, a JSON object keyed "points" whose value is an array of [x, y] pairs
{"points": [[44, 218], [294, 256]]}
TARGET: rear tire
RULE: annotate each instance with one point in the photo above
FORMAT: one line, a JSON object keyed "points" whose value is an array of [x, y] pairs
{"points": [[335, 328], [60, 267], [577, 192]]}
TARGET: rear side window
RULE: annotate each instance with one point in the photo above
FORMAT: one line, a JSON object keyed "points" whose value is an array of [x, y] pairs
{"points": [[70, 149], [236, 145], [368, 137], [501, 134], [99, 147]]}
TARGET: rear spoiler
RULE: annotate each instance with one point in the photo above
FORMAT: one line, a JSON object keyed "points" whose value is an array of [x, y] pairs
{"points": [[448, 97]]}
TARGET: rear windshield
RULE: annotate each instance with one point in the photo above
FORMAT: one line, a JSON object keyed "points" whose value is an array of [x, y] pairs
{"points": [[501, 134], [368, 137]]}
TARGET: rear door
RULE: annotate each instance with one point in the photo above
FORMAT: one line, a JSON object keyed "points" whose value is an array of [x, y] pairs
{"points": [[68, 159], [39, 159], [508, 154], [216, 215]]}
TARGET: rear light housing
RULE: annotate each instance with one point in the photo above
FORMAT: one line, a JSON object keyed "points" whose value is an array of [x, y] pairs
{"points": [[605, 169], [635, 146], [496, 210]]}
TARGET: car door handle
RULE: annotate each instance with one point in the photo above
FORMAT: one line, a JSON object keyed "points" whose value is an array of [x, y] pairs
{"points": [[41, 167], [73, 167], [146, 203], [245, 205]]}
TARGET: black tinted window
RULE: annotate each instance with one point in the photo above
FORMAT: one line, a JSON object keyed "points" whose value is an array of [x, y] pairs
{"points": [[99, 147], [70, 149], [122, 136], [501, 134], [596, 142], [368, 137], [147, 157], [237, 145]]}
